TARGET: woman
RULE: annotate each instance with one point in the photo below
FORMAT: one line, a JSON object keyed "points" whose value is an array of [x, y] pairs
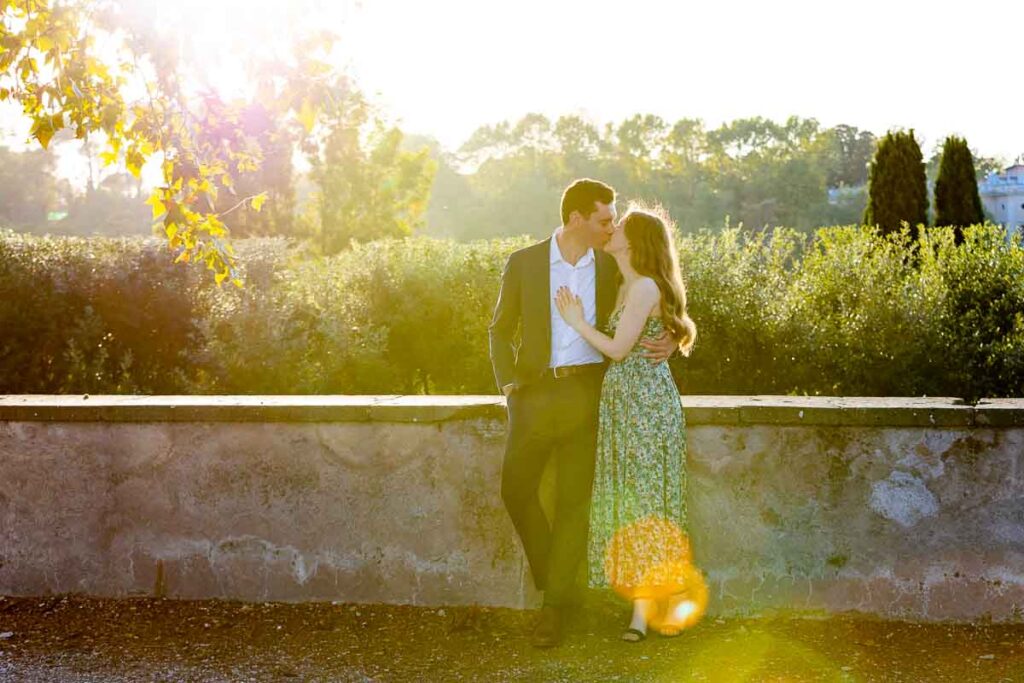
{"points": [[638, 513]]}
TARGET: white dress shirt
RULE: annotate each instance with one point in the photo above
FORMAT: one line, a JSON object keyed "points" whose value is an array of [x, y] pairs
{"points": [[567, 346]]}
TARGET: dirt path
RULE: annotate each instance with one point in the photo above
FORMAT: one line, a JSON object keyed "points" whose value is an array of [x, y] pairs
{"points": [[80, 639]]}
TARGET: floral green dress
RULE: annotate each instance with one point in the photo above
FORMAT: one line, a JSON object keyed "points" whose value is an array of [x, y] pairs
{"points": [[638, 535]]}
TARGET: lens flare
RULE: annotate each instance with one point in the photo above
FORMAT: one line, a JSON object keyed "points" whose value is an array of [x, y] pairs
{"points": [[651, 559]]}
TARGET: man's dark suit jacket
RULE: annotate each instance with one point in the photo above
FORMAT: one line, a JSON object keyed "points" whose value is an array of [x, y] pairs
{"points": [[524, 305]]}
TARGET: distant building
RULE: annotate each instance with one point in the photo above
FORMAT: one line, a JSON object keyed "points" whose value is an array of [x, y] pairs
{"points": [[1002, 194]]}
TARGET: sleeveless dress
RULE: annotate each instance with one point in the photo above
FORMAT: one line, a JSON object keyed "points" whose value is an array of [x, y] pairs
{"points": [[638, 543]]}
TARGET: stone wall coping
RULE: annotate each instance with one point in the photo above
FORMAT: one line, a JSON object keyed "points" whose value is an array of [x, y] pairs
{"points": [[713, 410]]}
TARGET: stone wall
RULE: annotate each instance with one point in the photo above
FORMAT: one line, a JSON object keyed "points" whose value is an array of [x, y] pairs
{"points": [[910, 508]]}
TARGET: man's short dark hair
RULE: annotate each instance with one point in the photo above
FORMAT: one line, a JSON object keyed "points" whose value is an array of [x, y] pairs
{"points": [[582, 196]]}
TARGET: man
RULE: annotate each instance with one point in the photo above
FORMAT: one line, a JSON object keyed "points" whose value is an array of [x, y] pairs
{"points": [[551, 380]]}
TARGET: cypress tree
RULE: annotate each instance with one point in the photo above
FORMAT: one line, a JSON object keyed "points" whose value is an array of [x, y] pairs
{"points": [[957, 202], [897, 185]]}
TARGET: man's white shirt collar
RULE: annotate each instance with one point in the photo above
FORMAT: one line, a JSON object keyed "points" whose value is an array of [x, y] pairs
{"points": [[556, 252]]}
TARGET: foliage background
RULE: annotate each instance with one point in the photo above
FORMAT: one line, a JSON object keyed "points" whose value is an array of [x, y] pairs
{"points": [[843, 311]]}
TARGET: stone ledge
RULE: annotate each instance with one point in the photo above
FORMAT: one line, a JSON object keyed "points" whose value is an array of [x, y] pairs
{"points": [[856, 411], [999, 412], [299, 408], [707, 410]]}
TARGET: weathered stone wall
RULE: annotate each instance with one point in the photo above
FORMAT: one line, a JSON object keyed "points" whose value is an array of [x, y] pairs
{"points": [[896, 507]]}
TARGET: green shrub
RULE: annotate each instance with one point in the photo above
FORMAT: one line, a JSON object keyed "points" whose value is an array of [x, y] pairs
{"points": [[846, 311], [394, 316], [978, 336], [859, 316], [94, 315], [733, 276]]}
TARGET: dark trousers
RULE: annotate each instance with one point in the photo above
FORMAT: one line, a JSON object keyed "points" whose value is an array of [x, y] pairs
{"points": [[552, 418]]}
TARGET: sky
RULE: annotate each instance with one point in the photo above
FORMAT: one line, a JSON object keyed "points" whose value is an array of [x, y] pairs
{"points": [[442, 68], [448, 66]]}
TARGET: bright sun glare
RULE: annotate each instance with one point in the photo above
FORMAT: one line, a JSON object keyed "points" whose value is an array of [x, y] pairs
{"points": [[223, 40], [446, 67]]}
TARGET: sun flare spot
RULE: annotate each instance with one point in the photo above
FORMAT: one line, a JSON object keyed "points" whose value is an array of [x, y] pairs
{"points": [[651, 559]]}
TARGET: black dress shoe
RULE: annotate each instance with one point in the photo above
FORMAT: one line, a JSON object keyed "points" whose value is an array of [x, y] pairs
{"points": [[547, 632]]}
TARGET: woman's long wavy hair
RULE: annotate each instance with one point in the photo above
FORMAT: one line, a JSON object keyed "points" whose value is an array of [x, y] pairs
{"points": [[653, 254]]}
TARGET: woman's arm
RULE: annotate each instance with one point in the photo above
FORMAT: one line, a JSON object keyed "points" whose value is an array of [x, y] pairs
{"points": [[640, 299]]}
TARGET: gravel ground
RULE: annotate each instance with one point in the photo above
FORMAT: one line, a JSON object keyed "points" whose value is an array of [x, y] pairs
{"points": [[71, 638]]}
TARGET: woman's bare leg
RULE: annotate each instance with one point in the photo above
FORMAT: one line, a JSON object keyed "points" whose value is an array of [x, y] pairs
{"points": [[642, 610]]}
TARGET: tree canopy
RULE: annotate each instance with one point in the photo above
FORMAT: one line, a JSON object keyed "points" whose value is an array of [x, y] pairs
{"points": [[752, 171], [897, 184], [82, 67], [957, 202]]}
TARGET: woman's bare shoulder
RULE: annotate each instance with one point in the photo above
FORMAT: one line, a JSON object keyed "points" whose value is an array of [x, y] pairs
{"points": [[645, 287]]}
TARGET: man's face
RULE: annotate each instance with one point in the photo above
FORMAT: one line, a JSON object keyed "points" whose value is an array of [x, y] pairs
{"points": [[597, 228], [618, 241]]}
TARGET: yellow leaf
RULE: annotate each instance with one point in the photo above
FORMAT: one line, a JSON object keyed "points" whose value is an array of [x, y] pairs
{"points": [[237, 283], [159, 208], [183, 256], [61, 38], [219, 277], [171, 231], [134, 160], [307, 115], [213, 226], [44, 43], [43, 134], [257, 201]]}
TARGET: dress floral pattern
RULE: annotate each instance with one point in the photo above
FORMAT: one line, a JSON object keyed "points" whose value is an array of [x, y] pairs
{"points": [[638, 539]]}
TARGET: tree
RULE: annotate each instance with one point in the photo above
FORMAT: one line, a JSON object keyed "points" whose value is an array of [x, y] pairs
{"points": [[276, 138], [849, 155], [957, 202], [489, 142], [111, 207], [988, 165], [534, 134], [768, 173], [28, 191], [897, 187], [579, 143], [50, 65], [753, 171], [368, 185], [451, 196]]}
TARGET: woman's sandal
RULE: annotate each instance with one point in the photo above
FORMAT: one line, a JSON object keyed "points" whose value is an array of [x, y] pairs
{"points": [[633, 635], [667, 629]]}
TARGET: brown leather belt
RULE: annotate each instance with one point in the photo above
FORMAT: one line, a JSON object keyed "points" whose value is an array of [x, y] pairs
{"points": [[570, 370]]}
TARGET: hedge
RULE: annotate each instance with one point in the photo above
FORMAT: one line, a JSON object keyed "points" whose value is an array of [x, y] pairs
{"points": [[845, 311]]}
